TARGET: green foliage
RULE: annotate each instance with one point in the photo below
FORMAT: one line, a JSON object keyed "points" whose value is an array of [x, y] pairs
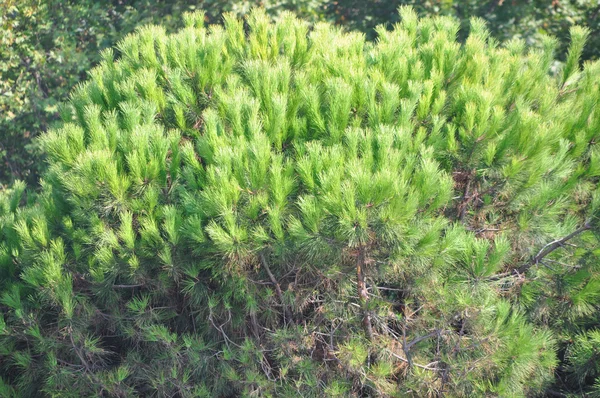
{"points": [[264, 209], [47, 47], [583, 357], [528, 20]]}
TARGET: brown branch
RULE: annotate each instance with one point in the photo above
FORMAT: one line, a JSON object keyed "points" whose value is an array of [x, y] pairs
{"points": [[363, 293], [128, 286], [462, 208], [421, 338], [497, 277], [550, 247], [405, 345], [468, 195], [254, 323], [429, 366], [287, 312], [80, 355], [86, 366], [226, 338]]}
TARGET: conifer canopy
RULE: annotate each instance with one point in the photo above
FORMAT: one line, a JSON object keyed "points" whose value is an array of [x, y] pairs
{"points": [[264, 209]]}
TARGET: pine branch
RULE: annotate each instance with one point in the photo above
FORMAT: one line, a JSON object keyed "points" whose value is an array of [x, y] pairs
{"points": [[287, 312], [226, 338], [128, 286], [550, 247], [462, 207], [429, 366], [87, 367], [254, 323], [80, 355], [363, 293], [405, 345], [421, 338]]}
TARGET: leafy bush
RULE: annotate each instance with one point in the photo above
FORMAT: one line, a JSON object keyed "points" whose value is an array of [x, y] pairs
{"points": [[278, 211]]}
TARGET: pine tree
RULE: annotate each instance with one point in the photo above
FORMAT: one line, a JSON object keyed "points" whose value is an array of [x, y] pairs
{"points": [[262, 209]]}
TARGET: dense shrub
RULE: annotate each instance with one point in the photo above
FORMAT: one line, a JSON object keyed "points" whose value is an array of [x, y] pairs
{"points": [[278, 211]]}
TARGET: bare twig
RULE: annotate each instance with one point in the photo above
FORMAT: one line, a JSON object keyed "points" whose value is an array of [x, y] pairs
{"points": [[363, 293], [462, 208], [405, 345], [128, 286], [429, 366], [286, 311], [86, 366], [79, 354], [226, 338], [421, 338], [555, 244]]}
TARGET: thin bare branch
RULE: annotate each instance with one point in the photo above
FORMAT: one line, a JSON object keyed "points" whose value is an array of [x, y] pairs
{"points": [[265, 264], [555, 244]]}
